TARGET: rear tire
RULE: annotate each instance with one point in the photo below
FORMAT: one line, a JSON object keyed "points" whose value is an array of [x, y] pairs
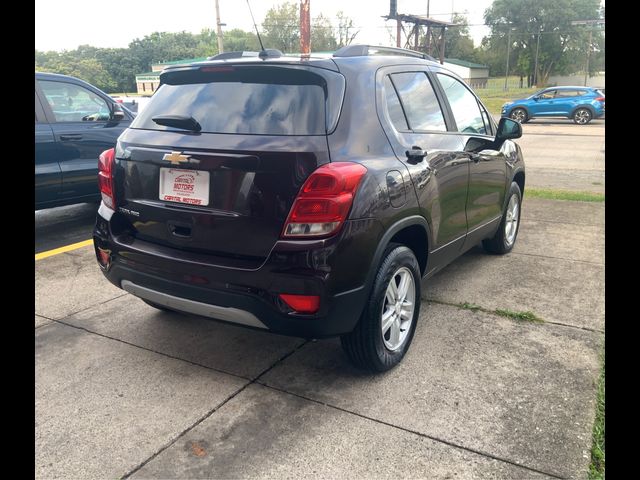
{"points": [[505, 238], [386, 327], [582, 116]]}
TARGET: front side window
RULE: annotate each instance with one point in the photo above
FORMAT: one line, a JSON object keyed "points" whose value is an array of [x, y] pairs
{"points": [[419, 102], [73, 103], [548, 94], [464, 106]]}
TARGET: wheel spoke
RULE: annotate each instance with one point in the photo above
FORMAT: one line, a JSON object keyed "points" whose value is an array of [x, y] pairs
{"points": [[394, 289], [395, 333], [387, 320], [389, 295], [403, 288]]}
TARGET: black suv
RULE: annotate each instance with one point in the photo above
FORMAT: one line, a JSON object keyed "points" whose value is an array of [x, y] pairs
{"points": [[307, 196], [75, 122]]}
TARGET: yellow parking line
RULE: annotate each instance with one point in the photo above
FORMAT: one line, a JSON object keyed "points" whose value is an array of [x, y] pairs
{"points": [[66, 248]]}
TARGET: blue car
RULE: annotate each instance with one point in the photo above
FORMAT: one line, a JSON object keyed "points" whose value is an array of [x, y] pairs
{"points": [[580, 103]]}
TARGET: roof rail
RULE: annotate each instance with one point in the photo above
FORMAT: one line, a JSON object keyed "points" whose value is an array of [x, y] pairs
{"points": [[269, 52], [365, 50]]}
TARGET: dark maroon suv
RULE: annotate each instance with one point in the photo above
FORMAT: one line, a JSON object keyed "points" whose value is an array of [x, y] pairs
{"points": [[307, 196]]}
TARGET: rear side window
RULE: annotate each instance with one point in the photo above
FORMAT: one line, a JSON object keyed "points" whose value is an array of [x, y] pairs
{"points": [[568, 93], [419, 101], [243, 100], [464, 106], [393, 106]]}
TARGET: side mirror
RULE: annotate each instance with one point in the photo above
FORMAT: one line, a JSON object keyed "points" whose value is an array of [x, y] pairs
{"points": [[536, 98], [508, 129], [116, 113]]}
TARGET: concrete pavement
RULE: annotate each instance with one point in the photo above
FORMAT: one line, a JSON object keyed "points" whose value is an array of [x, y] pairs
{"points": [[125, 390]]}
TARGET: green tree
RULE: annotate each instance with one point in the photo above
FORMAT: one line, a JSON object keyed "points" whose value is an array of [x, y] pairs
{"points": [[560, 42], [281, 28], [457, 42], [322, 37], [238, 40], [346, 30]]}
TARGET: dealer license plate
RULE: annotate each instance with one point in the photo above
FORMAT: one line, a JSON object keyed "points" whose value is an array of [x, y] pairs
{"points": [[184, 186]]}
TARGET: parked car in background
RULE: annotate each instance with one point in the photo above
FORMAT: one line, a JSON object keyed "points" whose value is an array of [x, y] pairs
{"points": [[75, 122], [582, 104], [307, 196]]}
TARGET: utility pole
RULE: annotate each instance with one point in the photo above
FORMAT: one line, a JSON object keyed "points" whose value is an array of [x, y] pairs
{"points": [[586, 69], [219, 28], [535, 69], [593, 23], [506, 73], [305, 27]]}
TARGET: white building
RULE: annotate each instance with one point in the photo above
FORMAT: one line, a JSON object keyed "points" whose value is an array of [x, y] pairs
{"points": [[474, 74]]}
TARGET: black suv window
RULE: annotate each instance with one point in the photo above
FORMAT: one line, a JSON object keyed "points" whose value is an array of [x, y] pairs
{"points": [[243, 100], [464, 106], [73, 103], [419, 101]]}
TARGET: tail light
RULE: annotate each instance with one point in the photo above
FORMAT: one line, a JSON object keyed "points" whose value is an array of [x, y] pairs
{"points": [[324, 201], [600, 99], [106, 165], [302, 303]]}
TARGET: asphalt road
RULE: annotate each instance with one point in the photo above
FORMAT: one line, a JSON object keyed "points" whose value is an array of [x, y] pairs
{"points": [[123, 390]]}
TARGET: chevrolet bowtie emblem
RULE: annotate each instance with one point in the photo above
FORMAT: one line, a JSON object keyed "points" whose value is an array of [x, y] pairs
{"points": [[176, 158]]}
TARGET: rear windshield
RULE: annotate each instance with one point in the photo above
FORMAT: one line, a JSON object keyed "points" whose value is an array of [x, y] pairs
{"points": [[243, 100]]}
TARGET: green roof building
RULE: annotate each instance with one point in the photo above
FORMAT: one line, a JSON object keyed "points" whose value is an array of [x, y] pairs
{"points": [[148, 82]]}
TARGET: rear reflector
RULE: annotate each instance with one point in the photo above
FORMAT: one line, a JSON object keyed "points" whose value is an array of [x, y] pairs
{"points": [[104, 257], [302, 303], [324, 201], [106, 165]]}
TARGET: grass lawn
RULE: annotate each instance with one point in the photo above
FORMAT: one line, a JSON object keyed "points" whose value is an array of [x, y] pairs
{"points": [[494, 96], [553, 194]]}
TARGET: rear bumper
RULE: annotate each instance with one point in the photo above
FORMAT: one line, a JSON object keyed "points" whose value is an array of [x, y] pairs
{"points": [[198, 284]]}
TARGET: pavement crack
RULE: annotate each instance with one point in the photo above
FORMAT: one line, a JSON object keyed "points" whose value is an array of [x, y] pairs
{"points": [[415, 432], [473, 308], [558, 258], [214, 409], [196, 364], [186, 430], [84, 309]]}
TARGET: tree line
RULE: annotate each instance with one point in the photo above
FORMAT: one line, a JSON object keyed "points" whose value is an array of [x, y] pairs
{"points": [[543, 26]]}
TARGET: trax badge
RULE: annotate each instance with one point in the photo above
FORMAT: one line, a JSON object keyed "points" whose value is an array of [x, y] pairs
{"points": [[175, 158]]}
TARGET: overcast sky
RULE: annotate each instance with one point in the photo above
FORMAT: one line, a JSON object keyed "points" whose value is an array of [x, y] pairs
{"points": [[66, 24]]}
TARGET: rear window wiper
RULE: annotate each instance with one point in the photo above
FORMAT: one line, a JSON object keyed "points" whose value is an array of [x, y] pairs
{"points": [[178, 121]]}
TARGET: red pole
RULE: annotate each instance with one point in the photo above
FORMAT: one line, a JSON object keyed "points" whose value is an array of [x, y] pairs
{"points": [[305, 27]]}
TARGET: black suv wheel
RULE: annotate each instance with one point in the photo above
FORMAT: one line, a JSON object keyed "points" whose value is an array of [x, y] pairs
{"points": [[386, 327]]}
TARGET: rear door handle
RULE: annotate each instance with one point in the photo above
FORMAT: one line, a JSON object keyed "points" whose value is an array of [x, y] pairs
{"points": [[70, 137], [475, 157], [416, 154]]}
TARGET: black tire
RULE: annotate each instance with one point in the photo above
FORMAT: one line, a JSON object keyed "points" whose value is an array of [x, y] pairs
{"points": [[365, 345], [520, 115], [502, 242], [582, 116]]}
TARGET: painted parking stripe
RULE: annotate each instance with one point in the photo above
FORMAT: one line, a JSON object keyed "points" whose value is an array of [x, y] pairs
{"points": [[66, 248]]}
